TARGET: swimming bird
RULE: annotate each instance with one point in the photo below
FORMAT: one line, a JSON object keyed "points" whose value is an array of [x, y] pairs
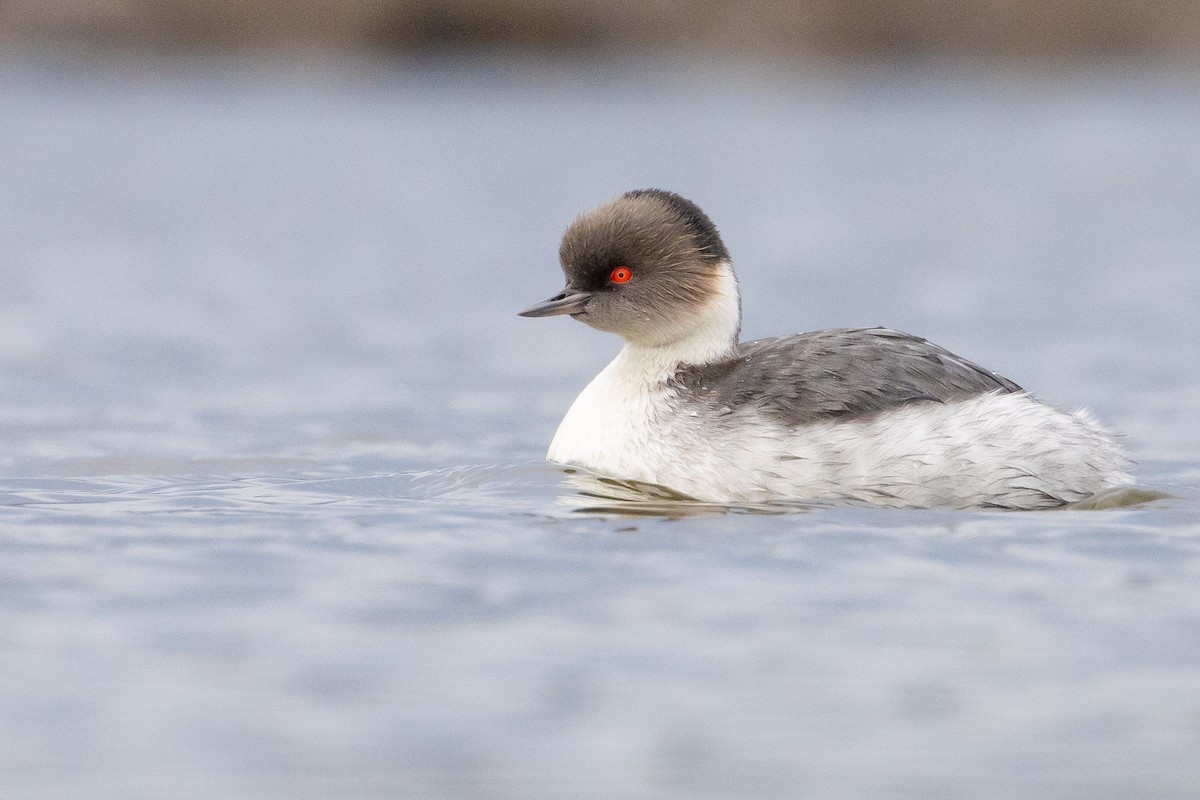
{"points": [[858, 415]]}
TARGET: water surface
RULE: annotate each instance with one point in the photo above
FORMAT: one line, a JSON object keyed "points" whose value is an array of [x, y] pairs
{"points": [[273, 516]]}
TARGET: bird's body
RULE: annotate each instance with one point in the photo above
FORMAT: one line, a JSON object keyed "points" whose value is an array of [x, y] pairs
{"points": [[862, 415]]}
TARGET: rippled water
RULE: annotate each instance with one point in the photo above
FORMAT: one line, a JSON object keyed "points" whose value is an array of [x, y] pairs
{"points": [[273, 519]]}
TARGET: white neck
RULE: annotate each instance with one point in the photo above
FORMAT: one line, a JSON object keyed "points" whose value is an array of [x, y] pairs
{"points": [[614, 425], [708, 336]]}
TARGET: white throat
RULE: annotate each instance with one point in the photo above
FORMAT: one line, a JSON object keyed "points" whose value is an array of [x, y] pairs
{"points": [[616, 424]]}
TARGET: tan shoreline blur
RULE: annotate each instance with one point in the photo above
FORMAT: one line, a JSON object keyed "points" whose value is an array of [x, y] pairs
{"points": [[987, 28]]}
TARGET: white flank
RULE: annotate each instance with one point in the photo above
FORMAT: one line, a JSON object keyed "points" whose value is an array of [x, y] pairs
{"points": [[995, 450]]}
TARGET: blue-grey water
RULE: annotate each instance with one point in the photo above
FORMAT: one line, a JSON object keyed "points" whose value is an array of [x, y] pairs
{"points": [[274, 521]]}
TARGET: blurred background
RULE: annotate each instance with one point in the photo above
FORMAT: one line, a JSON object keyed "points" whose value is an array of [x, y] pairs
{"points": [[274, 520], [1060, 29], [290, 201]]}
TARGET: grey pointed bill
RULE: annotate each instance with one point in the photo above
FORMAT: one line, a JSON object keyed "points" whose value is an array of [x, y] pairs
{"points": [[568, 301]]}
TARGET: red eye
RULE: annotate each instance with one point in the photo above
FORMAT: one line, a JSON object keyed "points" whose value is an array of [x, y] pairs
{"points": [[621, 275]]}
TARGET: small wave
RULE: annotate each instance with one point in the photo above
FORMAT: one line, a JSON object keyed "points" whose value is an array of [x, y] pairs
{"points": [[1121, 497]]}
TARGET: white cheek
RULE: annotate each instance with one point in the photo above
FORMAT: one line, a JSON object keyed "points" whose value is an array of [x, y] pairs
{"points": [[703, 335]]}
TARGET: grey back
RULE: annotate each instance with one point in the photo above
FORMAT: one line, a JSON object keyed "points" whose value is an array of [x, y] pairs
{"points": [[843, 373]]}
